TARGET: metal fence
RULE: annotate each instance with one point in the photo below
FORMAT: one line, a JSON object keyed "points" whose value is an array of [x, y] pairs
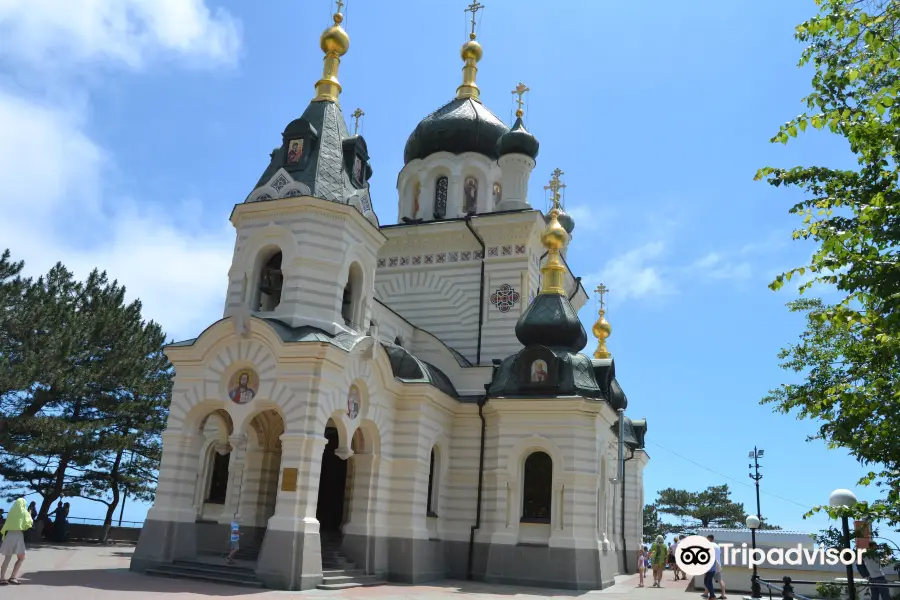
{"points": [[115, 522], [786, 589]]}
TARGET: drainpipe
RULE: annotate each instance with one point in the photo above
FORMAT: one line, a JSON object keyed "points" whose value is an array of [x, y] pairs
{"points": [[621, 469], [480, 289], [477, 524], [624, 543]]}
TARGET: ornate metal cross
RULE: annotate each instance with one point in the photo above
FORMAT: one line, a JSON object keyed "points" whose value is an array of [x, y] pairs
{"points": [[340, 5], [356, 114], [602, 290], [474, 8], [520, 90], [555, 186]]}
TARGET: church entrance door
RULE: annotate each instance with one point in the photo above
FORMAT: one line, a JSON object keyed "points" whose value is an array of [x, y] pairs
{"points": [[332, 486]]}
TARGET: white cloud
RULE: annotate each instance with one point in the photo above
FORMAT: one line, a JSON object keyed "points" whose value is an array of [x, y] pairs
{"points": [[634, 274], [55, 201], [588, 218], [53, 33], [52, 176], [715, 266]]}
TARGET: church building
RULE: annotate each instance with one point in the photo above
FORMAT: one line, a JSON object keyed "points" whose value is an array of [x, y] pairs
{"points": [[399, 402]]}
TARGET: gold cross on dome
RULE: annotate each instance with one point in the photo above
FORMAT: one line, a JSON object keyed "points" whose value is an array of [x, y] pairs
{"points": [[473, 8], [602, 290], [340, 5], [356, 114], [520, 90], [555, 186]]}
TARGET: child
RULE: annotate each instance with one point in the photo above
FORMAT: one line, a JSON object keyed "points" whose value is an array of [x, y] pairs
{"points": [[234, 546], [642, 565]]}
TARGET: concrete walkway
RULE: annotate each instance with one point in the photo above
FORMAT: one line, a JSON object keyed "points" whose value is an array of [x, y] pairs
{"points": [[101, 573]]}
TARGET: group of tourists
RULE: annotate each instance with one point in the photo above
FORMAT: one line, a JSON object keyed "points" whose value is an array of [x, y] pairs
{"points": [[660, 557]]}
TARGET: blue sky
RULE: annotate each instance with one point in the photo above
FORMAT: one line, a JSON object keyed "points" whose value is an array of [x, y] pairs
{"points": [[132, 127]]}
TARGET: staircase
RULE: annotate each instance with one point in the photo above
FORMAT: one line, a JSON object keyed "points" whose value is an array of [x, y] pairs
{"points": [[340, 573], [249, 550], [209, 572]]}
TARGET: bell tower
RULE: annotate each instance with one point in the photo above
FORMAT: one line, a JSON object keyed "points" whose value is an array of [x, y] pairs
{"points": [[307, 237]]}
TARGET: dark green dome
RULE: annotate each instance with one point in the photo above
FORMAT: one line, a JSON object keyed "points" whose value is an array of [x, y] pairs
{"points": [[462, 125], [518, 141], [551, 321], [567, 221]]}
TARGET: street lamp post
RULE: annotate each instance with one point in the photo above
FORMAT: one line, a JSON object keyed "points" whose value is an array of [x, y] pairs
{"points": [[845, 499], [756, 454], [753, 523]]}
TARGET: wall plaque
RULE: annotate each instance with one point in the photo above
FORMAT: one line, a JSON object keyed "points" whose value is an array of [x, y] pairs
{"points": [[289, 480]]}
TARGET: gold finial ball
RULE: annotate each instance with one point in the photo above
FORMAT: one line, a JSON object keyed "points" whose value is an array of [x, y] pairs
{"points": [[471, 50], [335, 39], [602, 329], [554, 237]]}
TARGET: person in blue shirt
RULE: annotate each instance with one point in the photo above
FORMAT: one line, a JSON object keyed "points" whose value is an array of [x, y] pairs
{"points": [[234, 544]]}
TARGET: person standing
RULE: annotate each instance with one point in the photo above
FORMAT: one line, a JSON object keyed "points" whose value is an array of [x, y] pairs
{"points": [[642, 564], [679, 574], [13, 532], [871, 567], [658, 555], [710, 575], [234, 542]]}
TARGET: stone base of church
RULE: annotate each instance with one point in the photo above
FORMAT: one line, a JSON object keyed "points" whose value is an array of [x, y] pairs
{"points": [[290, 560], [162, 542], [416, 561]]}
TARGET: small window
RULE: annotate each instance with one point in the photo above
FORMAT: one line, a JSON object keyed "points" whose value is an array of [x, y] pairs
{"points": [[351, 310], [432, 488], [440, 197], [398, 341], [537, 488], [271, 281], [218, 485]]}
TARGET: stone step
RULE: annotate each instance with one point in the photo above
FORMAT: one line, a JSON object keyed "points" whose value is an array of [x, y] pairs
{"points": [[200, 576], [225, 569], [344, 583], [360, 579], [345, 565], [335, 572]]}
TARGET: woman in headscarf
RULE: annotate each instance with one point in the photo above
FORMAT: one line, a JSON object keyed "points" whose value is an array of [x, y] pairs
{"points": [[658, 555], [17, 523]]}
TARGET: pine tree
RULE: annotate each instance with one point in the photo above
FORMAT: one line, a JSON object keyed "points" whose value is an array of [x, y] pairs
{"points": [[93, 384]]}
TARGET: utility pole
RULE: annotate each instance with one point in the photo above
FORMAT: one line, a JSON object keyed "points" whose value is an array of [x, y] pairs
{"points": [[756, 454]]}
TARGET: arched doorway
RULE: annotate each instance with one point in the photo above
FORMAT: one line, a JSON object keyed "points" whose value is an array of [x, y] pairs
{"points": [[332, 486], [261, 471]]}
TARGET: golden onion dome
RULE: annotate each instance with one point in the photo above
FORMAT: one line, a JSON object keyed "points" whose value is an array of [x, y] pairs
{"points": [[554, 236], [335, 39], [471, 50], [602, 329]]}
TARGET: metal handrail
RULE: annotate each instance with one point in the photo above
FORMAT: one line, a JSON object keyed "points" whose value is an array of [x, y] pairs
{"points": [[857, 581], [83, 520], [787, 592]]}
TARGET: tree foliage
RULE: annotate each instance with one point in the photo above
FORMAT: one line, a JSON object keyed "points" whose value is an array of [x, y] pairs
{"points": [[849, 355], [712, 507], [653, 525], [88, 390]]}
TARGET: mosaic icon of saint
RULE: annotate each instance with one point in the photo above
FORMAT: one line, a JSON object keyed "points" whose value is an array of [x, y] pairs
{"points": [[242, 393]]}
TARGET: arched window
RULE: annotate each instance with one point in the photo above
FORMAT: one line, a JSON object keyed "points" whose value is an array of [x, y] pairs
{"points": [[470, 194], [218, 483], [440, 197], [350, 304], [271, 280], [537, 488], [433, 470]]}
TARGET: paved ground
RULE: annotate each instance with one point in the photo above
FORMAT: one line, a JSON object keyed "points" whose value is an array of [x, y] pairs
{"points": [[98, 573]]}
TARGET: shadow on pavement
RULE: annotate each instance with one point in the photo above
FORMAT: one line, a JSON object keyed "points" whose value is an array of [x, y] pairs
{"points": [[126, 581]]}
